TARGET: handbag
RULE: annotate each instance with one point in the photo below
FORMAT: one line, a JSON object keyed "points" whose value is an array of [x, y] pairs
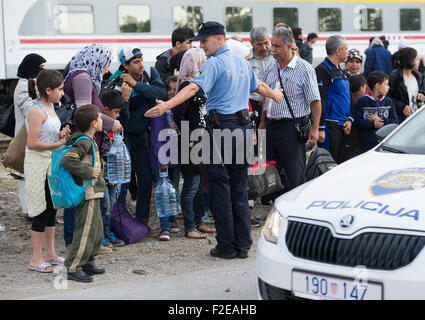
{"points": [[7, 116], [65, 111], [14, 156], [302, 125]]}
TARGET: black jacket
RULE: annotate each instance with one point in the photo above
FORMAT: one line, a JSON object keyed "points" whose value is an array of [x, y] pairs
{"points": [[162, 64], [191, 110], [398, 91]]}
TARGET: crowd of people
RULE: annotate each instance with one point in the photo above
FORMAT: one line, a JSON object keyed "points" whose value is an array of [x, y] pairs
{"points": [[332, 105]]}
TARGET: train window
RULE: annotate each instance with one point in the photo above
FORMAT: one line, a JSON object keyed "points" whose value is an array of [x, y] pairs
{"points": [[74, 19], [286, 15], [238, 19], [134, 18], [371, 19], [330, 19], [410, 19], [188, 17]]}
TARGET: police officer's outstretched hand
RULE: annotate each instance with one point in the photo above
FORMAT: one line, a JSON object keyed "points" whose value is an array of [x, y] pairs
{"points": [[160, 108]]}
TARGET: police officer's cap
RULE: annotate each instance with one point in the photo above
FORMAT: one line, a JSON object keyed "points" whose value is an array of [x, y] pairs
{"points": [[210, 28]]}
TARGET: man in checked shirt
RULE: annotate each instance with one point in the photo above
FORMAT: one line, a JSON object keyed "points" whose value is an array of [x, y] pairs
{"points": [[299, 83]]}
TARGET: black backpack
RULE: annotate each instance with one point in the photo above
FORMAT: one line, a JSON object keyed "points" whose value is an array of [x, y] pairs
{"points": [[320, 161], [65, 110], [7, 116]]}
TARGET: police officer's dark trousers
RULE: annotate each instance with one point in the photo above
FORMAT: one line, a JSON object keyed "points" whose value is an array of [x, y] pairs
{"points": [[228, 193]]}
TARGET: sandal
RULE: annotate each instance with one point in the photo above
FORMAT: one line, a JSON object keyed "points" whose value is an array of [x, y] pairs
{"points": [[196, 234], [41, 268], [205, 229], [59, 261]]}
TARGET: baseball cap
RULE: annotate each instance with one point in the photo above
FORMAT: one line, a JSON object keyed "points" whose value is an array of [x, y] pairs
{"points": [[210, 28], [125, 54]]}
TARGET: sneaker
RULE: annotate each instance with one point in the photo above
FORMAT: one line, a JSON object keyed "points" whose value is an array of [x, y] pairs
{"points": [[174, 227], [106, 243], [164, 235], [112, 239], [207, 218], [255, 223]]}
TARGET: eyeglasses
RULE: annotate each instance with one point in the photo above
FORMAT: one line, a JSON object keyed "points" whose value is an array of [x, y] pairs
{"points": [[262, 44]]}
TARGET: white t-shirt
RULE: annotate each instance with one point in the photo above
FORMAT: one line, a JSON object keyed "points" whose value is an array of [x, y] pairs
{"points": [[412, 90]]}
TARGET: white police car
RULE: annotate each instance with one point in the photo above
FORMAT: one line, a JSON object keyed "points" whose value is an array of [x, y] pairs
{"points": [[357, 232]]}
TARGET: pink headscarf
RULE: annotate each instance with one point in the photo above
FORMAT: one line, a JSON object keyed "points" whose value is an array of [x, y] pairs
{"points": [[189, 67]]}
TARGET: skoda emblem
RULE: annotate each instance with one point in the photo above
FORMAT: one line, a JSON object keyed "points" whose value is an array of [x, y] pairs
{"points": [[346, 222]]}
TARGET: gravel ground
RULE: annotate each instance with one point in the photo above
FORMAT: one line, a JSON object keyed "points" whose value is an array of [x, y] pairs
{"points": [[155, 257]]}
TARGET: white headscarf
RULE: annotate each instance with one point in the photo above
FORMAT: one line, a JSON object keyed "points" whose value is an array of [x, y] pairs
{"points": [[92, 59]]}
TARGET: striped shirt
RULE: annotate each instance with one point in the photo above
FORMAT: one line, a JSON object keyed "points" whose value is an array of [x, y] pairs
{"points": [[299, 83]]}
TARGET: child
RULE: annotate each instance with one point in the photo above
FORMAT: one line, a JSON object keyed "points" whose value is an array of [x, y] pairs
{"points": [[358, 88], [89, 227], [167, 224], [374, 110], [113, 103], [43, 127]]}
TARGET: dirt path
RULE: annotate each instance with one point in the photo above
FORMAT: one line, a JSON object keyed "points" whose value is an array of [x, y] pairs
{"points": [[157, 258]]}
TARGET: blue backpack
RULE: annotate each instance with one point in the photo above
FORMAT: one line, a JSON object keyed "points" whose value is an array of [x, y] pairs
{"points": [[65, 192]]}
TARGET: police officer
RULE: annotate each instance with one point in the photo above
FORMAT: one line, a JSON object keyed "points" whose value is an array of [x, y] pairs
{"points": [[227, 80]]}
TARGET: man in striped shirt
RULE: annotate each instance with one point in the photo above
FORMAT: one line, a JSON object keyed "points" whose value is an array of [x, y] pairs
{"points": [[299, 84]]}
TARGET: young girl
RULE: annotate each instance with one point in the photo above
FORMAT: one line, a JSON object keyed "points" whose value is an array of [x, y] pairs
{"points": [[44, 135]]}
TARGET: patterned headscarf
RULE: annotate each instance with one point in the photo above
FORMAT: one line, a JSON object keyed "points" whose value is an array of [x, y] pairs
{"points": [[191, 63], [92, 59]]}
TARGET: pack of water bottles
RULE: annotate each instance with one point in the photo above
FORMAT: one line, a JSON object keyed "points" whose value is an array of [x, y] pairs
{"points": [[118, 162], [166, 198]]}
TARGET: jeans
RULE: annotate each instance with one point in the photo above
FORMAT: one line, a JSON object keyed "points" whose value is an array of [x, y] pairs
{"points": [[174, 176], [69, 217], [191, 202], [106, 205]]}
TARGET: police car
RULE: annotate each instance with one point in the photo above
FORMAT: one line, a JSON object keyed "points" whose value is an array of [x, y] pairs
{"points": [[355, 233]]}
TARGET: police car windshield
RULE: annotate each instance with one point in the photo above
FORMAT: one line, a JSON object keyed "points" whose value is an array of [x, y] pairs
{"points": [[410, 138]]}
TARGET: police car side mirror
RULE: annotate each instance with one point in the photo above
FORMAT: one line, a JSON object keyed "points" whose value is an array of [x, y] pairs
{"points": [[383, 132]]}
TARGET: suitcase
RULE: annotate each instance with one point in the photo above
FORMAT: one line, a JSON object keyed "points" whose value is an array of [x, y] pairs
{"points": [[320, 161], [125, 227]]}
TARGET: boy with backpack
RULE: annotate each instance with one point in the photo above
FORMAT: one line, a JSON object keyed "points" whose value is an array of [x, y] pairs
{"points": [[374, 110], [80, 163], [113, 103]]}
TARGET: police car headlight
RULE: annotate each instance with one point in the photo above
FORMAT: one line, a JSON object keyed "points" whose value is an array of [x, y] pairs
{"points": [[271, 229]]}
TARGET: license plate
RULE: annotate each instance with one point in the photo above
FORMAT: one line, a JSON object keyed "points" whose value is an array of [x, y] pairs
{"points": [[315, 286]]}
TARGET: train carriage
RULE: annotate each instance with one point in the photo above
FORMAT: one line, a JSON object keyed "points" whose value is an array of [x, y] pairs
{"points": [[57, 29]]}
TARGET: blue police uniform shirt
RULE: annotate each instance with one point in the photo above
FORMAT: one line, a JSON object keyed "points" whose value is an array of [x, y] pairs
{"points": [[228, 80]]}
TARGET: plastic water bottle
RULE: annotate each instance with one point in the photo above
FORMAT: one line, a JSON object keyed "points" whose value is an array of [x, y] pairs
{"points": [[171, 123], [119, 163], [166, 199]]}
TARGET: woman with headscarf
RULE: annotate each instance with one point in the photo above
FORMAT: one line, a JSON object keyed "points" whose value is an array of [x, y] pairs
{"points": [[354, 62], [377, 58], [192, 111], [82, 84], [29, 68]]}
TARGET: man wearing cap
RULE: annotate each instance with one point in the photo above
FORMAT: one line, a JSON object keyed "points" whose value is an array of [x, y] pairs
{"points": [[146, 88], [227, 79]]}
